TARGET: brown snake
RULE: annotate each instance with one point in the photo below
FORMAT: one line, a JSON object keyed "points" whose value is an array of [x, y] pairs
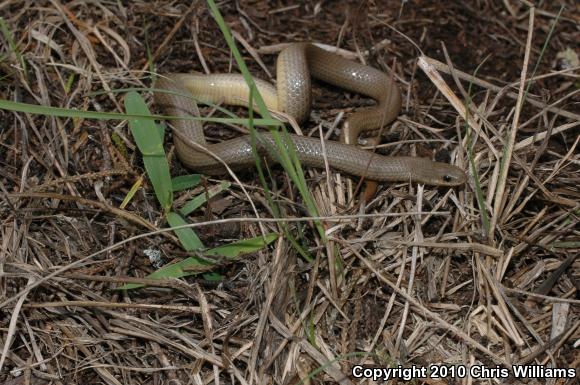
{"points": [[295, 65]]}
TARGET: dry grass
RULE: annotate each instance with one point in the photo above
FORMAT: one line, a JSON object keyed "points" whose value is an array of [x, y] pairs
{"points": [[418, 275]]}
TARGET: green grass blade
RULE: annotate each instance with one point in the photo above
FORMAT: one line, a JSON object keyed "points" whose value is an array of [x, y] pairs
{"points": [[188, 238], [70, 113], [199, 200], [175, 270], [12, 44], [286, 151], [136, 186], [544, 47], [479, 197], [217, 107], [244, 246], [273, 205], [185, 182], [149, 139], [238, 57], [150, 62], [231, 251]]}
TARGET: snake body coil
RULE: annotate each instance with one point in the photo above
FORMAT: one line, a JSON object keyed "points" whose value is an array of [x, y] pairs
{"points": [[296, 64]]}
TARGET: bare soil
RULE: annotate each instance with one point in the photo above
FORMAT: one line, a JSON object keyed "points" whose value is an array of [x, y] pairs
{"points": [[385, 289]]}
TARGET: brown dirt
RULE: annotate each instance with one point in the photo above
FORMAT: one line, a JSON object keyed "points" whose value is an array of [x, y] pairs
{"points": [[276, 317]]}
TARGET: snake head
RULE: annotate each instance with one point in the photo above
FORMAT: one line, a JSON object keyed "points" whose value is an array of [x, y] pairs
{"points": [[447, 175]]}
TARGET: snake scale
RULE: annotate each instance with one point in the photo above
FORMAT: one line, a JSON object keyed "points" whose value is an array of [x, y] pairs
{"points": [[296, 65]]}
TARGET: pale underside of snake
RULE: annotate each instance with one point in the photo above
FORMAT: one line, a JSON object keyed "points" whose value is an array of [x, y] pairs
{"points": [[292, 95]]}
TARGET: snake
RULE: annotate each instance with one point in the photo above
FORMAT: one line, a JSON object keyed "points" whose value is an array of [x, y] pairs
{"points": [[295, 66]]}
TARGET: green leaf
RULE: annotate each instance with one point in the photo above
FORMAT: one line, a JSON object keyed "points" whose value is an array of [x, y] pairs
{"points": [[213, 277], [199, 200], [185, 182], [150, 143], [175, 270], [233, 250], [244, 246], [71, 113], [160, 132], [188, 238]]}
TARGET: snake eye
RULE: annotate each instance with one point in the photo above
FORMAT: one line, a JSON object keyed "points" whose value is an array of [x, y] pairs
{"points": [[447, 178]]}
